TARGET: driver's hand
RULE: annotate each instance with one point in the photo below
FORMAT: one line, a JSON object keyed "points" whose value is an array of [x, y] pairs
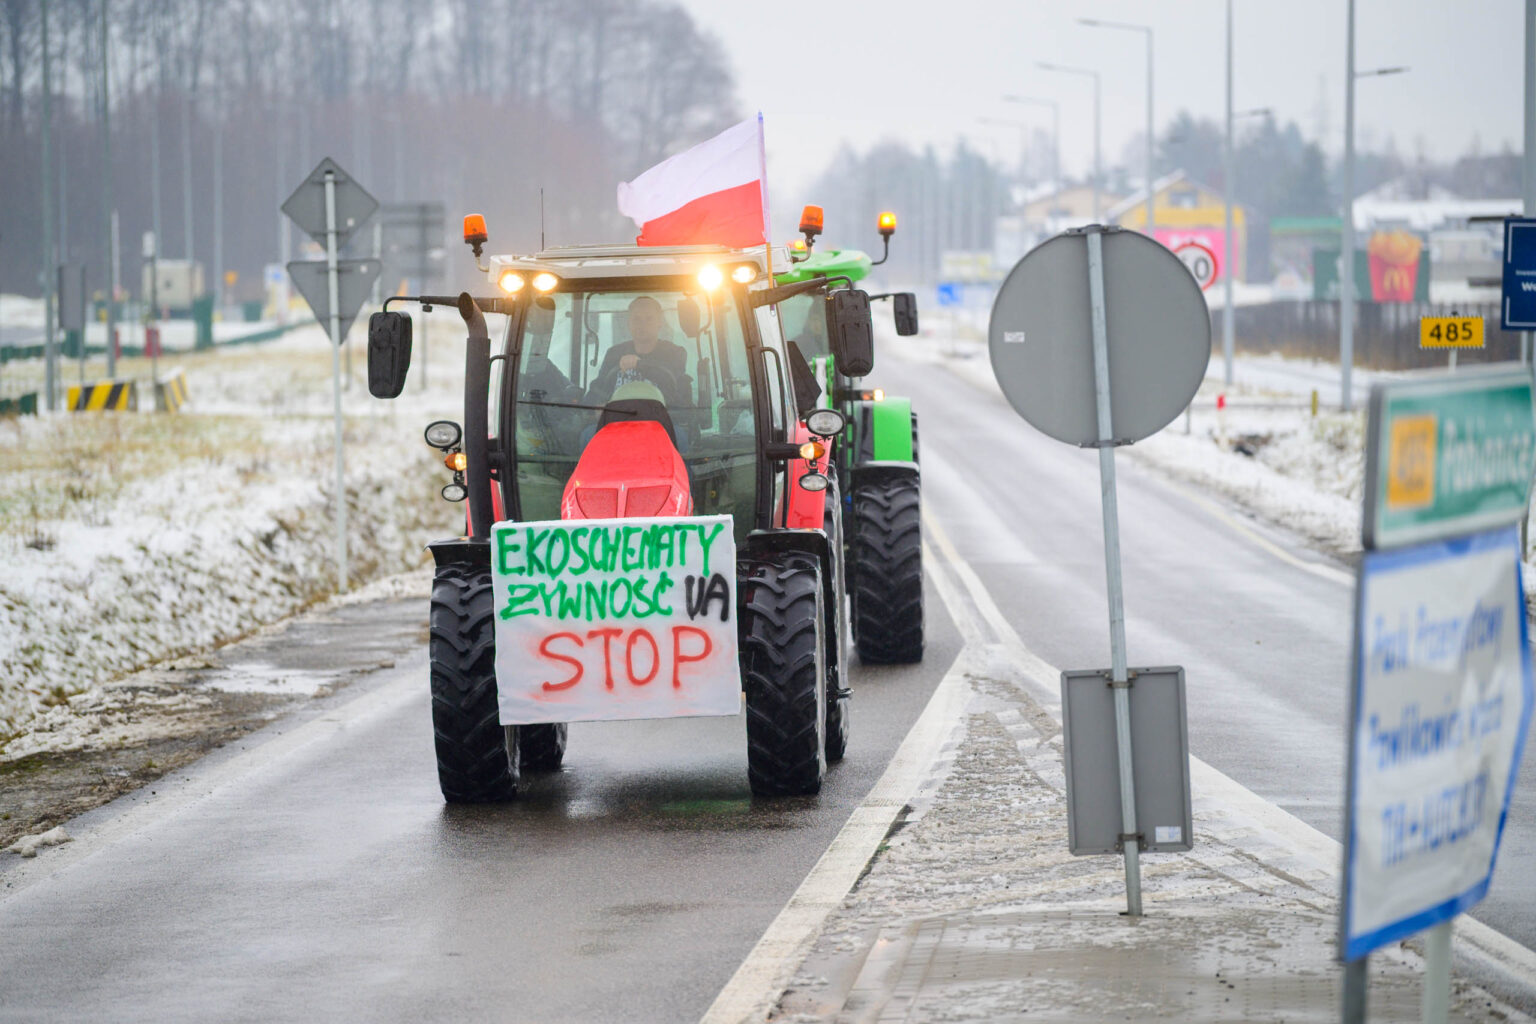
{"points": [[629, 362]]}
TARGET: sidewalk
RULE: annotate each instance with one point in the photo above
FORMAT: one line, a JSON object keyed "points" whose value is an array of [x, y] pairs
{"points": [[973, 910]]}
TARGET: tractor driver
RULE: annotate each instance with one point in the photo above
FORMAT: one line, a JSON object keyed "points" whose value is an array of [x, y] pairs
{"points": [[645, 356]]}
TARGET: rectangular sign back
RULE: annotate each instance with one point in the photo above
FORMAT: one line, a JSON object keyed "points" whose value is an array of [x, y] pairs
{"points": [[611, 619]]}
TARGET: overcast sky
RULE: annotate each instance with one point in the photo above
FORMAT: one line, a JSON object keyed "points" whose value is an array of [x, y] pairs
{"points": [[926, 71]]}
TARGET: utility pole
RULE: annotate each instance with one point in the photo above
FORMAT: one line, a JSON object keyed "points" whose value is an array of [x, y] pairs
{"points": [[1228, 330], [1097, 163], [186, 174], [1529, 161], [50, 350], [1146, 30], [1055, 135], [1347, 237], [106, 194]]}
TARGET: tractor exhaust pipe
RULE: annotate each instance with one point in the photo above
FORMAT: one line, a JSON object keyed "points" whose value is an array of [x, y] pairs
{"points": [[477, 382]]}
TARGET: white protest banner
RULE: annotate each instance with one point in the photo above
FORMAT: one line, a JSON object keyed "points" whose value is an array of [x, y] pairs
{"points": [[607, 619], [1442, 702]]}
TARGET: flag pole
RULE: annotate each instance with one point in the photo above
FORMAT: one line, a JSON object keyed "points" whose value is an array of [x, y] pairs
{"points": [[762, 163]]}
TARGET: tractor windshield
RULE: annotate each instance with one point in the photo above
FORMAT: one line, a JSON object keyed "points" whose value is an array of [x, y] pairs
{"points": [[580, 351]]}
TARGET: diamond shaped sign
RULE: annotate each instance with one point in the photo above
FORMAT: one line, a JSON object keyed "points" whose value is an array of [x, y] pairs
{"points": [[306, 207], [354, 280]]}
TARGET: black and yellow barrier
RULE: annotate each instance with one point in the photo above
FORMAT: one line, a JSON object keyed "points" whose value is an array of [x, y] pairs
{"points": [[104, 396], [171, 391]]}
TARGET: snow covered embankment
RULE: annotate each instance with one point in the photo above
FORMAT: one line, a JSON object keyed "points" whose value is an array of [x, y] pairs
{"points": [[131, 539]]}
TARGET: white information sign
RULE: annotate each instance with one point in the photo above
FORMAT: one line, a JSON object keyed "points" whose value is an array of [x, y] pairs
{"points": [[1443, 697], [607, 619]]}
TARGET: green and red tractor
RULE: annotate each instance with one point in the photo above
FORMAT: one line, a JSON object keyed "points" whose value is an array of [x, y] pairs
{"points": [[633, 397]]}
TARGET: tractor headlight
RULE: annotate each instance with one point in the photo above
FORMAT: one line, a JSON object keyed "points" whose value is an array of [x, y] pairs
{"points": [[745, 273], [813, 482], [544, 281], [710, 278], [443, 434], [454, 492], [510, 282], [825, 422]]}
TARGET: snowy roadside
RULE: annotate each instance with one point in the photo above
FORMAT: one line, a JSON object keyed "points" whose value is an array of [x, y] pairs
{"points": [[134, 538]]}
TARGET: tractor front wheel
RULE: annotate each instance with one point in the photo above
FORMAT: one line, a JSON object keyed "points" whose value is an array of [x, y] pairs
{"points": [[783, 617], [888, 569], [477, 758]]}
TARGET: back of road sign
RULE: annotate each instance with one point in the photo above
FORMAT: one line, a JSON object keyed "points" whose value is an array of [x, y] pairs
{"points": [[1517, 311], [1160, 753], [1041, 337], [354, 280], [306, 207]]}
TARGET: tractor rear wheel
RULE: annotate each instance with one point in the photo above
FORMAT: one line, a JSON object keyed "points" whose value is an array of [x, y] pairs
{"points": [[888, 569], [542, 746], [477, 759], [783, 674], [838, 654]]}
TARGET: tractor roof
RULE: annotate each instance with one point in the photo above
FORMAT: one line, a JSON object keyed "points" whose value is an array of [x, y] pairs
{"points": [[578, 261], [847, 262]]}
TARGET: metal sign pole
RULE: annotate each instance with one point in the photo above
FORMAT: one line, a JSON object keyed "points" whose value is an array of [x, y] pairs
{"points": [[1129, 839], [1435, 1004], [333, 284]]}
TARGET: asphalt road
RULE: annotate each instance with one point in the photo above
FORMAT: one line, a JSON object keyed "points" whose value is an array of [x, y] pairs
{"points": [[1264, 642], [314, 873]]}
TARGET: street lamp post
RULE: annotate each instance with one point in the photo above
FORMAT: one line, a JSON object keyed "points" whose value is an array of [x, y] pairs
{"points": [[1097, 177], [1055, 133], [1347, 235], [1151, 175], [1003, 122]]}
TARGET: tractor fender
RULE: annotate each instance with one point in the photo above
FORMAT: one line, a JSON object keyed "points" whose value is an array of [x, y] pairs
{"points": [[870, 472], [461, 551], [885, 429], [807, 509], [763, 545]]}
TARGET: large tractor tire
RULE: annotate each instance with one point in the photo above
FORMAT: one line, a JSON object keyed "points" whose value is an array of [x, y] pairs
{"points": [[477, 758], [837, 654], [782, 619], [888, 570], [542, 747]]}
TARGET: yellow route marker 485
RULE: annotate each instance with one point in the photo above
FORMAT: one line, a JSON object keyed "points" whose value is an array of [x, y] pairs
{"points": [[1451, 332]]}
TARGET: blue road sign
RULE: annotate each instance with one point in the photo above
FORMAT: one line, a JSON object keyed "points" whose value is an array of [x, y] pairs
{"points": [[949, 293], [1443, 696], [1517, 311]]}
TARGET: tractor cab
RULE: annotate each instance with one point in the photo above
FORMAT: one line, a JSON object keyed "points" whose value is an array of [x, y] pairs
{"points": [[613, 354]]}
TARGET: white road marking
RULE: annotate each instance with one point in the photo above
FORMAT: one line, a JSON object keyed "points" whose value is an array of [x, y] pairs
{"points": [[171, 796]]}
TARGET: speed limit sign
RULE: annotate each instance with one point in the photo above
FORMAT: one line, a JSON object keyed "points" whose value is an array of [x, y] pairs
{"points": [[1201, 262]]}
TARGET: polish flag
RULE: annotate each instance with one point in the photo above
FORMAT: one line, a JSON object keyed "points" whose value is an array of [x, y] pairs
{"points": [[714, 193]]}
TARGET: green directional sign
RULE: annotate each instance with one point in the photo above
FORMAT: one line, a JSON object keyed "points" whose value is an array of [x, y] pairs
{"points": [[1447, 454]]}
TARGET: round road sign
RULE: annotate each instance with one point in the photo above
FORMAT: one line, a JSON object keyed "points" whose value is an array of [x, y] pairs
{"points": [[1201, 262], [1158, 331]]}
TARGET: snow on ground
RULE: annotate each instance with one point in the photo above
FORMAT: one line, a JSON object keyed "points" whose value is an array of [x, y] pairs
{"points": [[132, 538]]}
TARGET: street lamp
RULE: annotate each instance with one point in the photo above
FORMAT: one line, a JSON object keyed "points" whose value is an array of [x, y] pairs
{"points": [[1096, 164], [1347, 239], [1229, 175], [1003, 122], [1147, 29], [1055, 133]]}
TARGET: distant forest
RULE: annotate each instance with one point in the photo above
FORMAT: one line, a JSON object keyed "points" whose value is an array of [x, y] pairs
{"points": [[474, 103], [479, 104]]}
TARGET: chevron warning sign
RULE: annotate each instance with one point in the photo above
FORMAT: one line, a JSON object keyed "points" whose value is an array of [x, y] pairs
{"points": [[171, 391], [104, 396]]}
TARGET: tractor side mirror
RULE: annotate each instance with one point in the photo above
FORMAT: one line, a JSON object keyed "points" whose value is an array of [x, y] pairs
{"points": [[389, 353], [688, 317], [851, 331], [904, 305]]}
